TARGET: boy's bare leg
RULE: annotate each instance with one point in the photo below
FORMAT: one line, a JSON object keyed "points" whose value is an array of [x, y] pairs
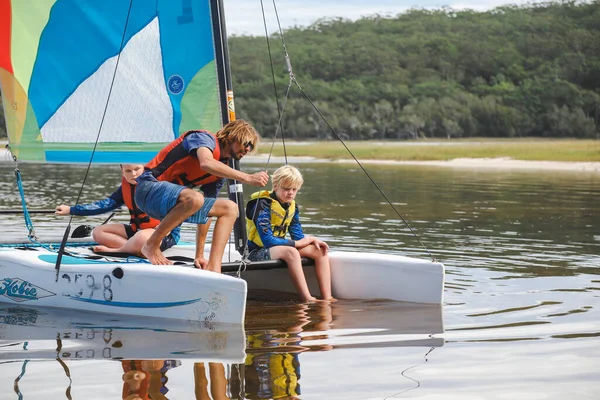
{"points": [[322, 269], [226, 212], [110, 235], [133, 245], [188, 203], [294, 263]]}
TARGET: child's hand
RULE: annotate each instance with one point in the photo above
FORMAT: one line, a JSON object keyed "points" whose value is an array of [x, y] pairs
{"points": [[63, 210], [321, 245]]}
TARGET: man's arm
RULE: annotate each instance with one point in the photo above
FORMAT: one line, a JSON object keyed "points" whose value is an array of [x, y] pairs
{"points": [[217, 168]]}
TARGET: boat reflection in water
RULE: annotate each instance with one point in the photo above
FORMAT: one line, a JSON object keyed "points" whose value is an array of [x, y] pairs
{"points": [[46, 333], [263, 362], [147, 348]]}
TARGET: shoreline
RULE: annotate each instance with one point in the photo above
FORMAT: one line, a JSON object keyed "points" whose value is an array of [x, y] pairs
{"points": [[500, 163]]}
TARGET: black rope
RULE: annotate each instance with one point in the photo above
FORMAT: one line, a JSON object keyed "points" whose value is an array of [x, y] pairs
{"points": [[365, 171], [279, 111], [68, 228], [417, 382], [295, 81]]}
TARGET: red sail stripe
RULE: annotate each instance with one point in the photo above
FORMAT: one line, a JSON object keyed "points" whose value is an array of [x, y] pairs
{"points": [[5, 29]]}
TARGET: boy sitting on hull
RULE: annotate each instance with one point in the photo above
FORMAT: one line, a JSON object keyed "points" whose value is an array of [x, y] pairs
{"points": [[270, 216], [122, 238], [196, 158]]}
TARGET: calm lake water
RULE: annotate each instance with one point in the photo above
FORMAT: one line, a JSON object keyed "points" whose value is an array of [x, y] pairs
{"points": [[520, 320]]}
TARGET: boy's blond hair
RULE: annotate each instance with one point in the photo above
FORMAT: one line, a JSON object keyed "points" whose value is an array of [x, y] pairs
{"points": [[287, 177]]}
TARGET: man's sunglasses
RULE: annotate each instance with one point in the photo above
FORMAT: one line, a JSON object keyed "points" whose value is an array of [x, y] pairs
{"points": [[249, 146]]}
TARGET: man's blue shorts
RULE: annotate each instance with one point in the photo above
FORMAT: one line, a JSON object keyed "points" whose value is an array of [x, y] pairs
{"points": [[157, 198]]}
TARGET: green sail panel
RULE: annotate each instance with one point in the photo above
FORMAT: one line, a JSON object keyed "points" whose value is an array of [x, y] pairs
{"points": [[199, 107]]}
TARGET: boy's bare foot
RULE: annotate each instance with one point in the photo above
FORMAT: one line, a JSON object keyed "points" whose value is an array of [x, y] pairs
{"points": [[330, 299], [311, 300], [102, 249], [155, 256]]}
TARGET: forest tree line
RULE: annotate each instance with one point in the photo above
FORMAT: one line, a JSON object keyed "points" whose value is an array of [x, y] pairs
{"points": [[514, 71]]}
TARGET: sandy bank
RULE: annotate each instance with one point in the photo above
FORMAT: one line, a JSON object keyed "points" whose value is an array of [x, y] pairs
{"points": [[471, 163]]}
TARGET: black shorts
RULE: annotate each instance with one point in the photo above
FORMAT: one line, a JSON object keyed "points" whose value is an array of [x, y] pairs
{"points": [[166, 243]]}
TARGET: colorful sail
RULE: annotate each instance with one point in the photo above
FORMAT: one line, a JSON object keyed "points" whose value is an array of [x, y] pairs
{"points": [[132, 74]]}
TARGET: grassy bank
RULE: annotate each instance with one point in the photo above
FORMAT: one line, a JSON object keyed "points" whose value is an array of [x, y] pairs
{"points": [[518, 149]]}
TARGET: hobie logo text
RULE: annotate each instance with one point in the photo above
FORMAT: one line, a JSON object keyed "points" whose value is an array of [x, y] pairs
{"points": [[20, 290]]}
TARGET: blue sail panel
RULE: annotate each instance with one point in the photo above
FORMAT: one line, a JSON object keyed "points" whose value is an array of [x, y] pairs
{"points": [[124, 75]]}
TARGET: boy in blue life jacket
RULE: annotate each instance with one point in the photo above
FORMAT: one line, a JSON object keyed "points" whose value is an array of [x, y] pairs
{"points": [[270, 215], [122, 238]]}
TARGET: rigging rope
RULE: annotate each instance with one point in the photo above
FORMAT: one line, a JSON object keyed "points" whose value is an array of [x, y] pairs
{"points": [[28, 222], [68, 228], [331, 128], [280, 110]]}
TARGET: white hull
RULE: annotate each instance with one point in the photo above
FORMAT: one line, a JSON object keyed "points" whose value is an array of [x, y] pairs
{"points": [[28, 277], [354, 275], [365, 276]]}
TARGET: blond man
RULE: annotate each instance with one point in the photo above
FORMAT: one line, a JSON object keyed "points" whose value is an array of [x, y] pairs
{"points": [[196, 159]]}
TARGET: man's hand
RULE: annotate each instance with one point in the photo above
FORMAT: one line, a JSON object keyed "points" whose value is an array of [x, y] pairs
{"points": [[200, 263], [259, 179], [63, 210]]}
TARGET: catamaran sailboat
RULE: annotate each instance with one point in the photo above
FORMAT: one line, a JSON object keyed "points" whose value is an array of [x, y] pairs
{"points": [[113, 82]]}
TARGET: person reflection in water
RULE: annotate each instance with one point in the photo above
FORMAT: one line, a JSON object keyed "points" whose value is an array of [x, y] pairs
{"points": [[272, 366], [146, 379], [218, 382]]}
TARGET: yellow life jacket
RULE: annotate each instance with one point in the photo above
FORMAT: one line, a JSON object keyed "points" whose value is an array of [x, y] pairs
{"points": [[280, 217], [272, 375]]}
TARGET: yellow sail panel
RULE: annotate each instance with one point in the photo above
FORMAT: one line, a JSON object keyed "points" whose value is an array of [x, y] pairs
{"points": [[29, 17]]}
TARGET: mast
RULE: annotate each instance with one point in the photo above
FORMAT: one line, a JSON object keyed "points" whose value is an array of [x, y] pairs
{"points": [[234, 188]]}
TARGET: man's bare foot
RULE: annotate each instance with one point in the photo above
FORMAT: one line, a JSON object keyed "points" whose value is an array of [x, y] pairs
{"points": [[330, 299], [213, 268], [155, 256]]}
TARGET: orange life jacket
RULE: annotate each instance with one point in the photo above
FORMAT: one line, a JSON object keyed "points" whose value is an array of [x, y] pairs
{"points": [[174, 164], [139, 219]]}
